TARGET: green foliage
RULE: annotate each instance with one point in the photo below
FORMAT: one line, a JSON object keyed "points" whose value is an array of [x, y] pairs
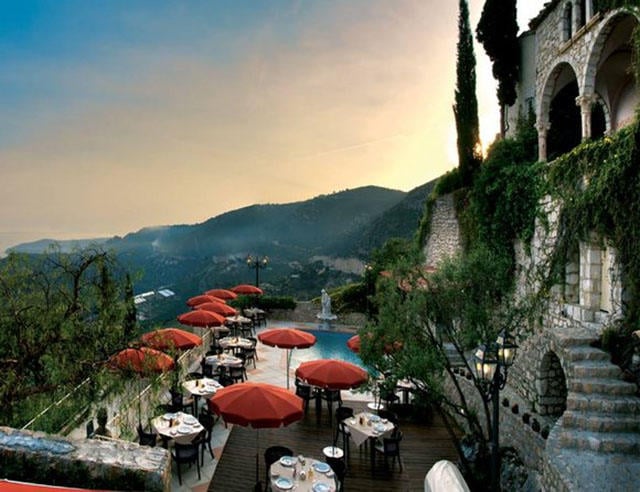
{"points": [[466, 103], [598, 185], [350, 298], [498, 32], [60, 318]]}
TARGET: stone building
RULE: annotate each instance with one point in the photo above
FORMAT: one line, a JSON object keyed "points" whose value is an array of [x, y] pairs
{"points": [[576, 77]]}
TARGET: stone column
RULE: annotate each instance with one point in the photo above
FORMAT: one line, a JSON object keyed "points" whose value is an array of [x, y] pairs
{"points": [[586, 103], [543, 129]]}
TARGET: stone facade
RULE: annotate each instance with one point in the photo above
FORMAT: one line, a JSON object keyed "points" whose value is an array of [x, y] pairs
{"points": [[444, 236]]}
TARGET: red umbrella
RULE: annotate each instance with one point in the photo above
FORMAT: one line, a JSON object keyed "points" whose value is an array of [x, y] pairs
{"points": [[143, 360], [222, 294], [258, 405], [287, 338], [331, 373], [201, 299], [246, 289], [201, 318], [14, 486], [217, 307], [171, 338], [354, 343]]}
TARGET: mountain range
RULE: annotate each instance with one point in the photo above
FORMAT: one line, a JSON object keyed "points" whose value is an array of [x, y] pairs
{"points": [[313, 244]]}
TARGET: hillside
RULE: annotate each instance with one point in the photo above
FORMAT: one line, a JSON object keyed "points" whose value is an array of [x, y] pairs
{"points": [[297, 237]]}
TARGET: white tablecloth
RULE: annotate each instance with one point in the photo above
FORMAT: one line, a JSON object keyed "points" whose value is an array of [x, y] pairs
{"points": [[372, 426], [186, 427], [278, 470]]}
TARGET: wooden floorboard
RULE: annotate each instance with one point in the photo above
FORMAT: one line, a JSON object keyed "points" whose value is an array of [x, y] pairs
{"points": [[421, 447]]}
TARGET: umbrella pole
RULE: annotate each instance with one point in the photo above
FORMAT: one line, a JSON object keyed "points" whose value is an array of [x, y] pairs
{"points": [[257, 455], [288, 365]]}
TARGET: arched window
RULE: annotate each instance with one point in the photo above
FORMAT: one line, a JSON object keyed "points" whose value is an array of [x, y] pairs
{"points": [[582, 14], [567, 22]]}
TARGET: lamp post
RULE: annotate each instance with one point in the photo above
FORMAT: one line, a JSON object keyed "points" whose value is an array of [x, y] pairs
{"points": [[257, 262], [492, 364], [370, 287]]}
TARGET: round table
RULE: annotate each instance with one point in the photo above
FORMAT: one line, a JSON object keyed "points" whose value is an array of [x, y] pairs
{"points": [[184, 429], [333, 452], [282, 475]]}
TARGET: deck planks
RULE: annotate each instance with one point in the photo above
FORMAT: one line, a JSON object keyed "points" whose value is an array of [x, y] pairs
{"points": [[421, 447]]}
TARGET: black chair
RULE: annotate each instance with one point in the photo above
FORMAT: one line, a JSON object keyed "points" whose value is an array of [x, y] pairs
{"points": [[343, 413], [239, 374], [90, 429], [339, 467], [193, 375], [187, 454], [207, 420], [249, 355], [305, 392], [390, 448], [273, 454], [389, 415], [147, 438], [180, 403], [331, 396], [389, 398]]}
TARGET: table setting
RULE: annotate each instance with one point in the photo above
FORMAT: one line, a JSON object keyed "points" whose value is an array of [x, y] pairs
{"points": [[179, 426], [202, 387], [302, 474]]}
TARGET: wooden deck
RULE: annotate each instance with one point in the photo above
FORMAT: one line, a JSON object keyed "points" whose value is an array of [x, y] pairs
{"points": [[420, 448]]}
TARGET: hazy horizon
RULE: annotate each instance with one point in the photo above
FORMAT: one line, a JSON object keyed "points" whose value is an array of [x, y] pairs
{"points": [[119, 116]]}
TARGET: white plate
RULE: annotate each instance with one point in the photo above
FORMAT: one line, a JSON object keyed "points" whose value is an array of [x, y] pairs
{"points": [[379, 428], [169, 416], [189, 419], [183, 429], [321, 487], [287, 461], [375, 418], [284, 483], [321, 467]]}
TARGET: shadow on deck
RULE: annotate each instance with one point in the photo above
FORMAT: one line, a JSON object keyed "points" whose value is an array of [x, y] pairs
{"points": [[422, 446]]}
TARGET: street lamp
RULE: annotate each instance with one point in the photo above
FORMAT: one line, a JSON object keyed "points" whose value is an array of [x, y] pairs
{"points": [[492, 364], [257, 263]]}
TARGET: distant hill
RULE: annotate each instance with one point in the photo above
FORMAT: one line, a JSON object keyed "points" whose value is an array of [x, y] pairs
{"points": [[66, 246], [299, 238]]}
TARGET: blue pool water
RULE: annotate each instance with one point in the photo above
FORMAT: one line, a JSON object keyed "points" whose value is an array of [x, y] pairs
{"points": [[329, 345]]}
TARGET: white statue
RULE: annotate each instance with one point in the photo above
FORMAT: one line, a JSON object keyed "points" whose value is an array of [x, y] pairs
{"points": [[325, 300]]}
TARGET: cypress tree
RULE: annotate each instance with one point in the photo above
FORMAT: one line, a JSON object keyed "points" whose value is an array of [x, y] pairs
{"points": [[130, 320], [498, 32], [466, 104]]}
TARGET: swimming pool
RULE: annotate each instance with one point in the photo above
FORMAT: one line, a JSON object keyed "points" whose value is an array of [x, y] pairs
{"points": [[329, 345]]}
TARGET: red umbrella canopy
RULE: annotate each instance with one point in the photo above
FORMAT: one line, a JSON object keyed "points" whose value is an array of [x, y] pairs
{"points": [[258, 405], [143, 360], [201, 299], [331, 373], [171, 338], [222, 294], [217, 307], [287, 338], [354, 343], [202, 318], [246, 289]]}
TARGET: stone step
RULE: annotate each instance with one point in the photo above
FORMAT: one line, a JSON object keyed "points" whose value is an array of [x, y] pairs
{"points": [[584, 352], [603, 403], [601, 442], [599, 422], [596, 369], [602, 385], [575, 337]]}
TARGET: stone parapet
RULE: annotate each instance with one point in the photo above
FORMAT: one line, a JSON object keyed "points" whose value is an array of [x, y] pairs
{"points": [[87, 463]]}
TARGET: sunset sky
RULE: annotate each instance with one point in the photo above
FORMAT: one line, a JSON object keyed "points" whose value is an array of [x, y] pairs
{"points": [[115, 115]]}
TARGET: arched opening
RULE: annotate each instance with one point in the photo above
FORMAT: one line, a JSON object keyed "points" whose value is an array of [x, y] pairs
{"points": [[551, 386], [567, 21], [565, 131], [613, 79], [582, 14]]}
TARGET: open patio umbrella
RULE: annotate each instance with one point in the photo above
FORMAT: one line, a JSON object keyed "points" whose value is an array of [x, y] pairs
{"points": [[217, 307], [332, 374], [225, 294], [247, 290], [201, 299], [171, 339], [258, 405], [143, 361], [201, 318], [354, 344], [287, 338]]}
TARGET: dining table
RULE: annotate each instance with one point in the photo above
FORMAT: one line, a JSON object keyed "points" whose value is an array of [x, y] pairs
{"points": [[237, 322], [179, 426], [368, 426], [235, 343], [223, 360], [302, 474], [202, 387]]}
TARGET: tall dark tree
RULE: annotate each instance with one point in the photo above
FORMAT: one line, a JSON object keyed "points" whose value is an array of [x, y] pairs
{"points": [[466, 103], [130, 320], [498, 32]]}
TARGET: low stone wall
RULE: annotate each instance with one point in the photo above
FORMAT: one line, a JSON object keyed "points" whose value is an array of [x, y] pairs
{"points": [[88, 463]]}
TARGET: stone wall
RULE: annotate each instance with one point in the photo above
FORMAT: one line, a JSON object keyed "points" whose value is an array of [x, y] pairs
{"points": [[444, 237], [307, 311], [88, 463]]}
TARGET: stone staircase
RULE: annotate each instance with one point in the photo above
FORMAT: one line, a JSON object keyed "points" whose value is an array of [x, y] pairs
{"points": [[595, 445]]}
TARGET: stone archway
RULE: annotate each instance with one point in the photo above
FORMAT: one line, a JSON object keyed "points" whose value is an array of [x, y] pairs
{"points": [[551, 386]]}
